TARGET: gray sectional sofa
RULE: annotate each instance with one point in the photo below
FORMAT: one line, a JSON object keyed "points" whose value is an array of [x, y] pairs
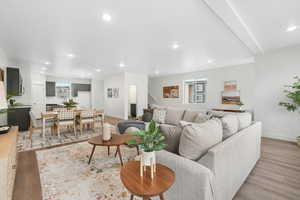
{"points": [[209, 166]]}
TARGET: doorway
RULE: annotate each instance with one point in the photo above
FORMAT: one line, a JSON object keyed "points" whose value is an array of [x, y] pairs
{"points": [[132, 100]]}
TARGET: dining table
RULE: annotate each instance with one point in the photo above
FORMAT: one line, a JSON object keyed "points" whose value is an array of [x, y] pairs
{"points": [[53, 115]]}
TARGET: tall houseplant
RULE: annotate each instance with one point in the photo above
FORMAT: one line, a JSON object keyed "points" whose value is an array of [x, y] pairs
{"points": [[293, 94], [149, 141]]}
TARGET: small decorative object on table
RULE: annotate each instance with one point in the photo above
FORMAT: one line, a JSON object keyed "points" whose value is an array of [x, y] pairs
{"points": [[149, 141], [70, 103], [106, 136], [293, 94]]}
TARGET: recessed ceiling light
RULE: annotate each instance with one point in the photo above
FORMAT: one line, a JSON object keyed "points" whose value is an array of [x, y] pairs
{"points": [[106, 17], [70, 55], [175, 45], [156, 72], [122, 64], [210, 61], [291, 28], [42, 72], [98, 70], [44, 68], [47, 63]]}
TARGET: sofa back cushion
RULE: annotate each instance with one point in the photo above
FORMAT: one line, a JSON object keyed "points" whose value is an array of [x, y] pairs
{"points": [[159, 115], [201, 118], [190, 115], [197, 139], [230, 125], [174, 116]]}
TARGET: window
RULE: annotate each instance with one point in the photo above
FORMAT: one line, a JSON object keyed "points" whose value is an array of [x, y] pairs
{"points": [[195, 91]]}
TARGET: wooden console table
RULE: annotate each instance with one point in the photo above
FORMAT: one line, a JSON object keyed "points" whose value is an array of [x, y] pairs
{"points": [[8, 162], [229, 110]]}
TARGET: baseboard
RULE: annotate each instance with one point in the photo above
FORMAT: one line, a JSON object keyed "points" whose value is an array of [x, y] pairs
{"points": [[279, 137]]}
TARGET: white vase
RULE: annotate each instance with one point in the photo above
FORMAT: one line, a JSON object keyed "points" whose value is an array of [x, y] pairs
{"points": [[147, 157], [106, 136]]}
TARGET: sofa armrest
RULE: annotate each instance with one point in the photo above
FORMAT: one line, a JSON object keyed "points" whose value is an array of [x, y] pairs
{"points": [[192, 180]]}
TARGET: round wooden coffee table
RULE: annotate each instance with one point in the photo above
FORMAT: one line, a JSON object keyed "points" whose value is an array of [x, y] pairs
{"points": [[146, 187], [116, 140]]}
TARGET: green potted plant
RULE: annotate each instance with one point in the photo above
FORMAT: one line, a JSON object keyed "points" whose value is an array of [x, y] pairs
{"points": [[293, 94], [70, 103], [149, 141]]}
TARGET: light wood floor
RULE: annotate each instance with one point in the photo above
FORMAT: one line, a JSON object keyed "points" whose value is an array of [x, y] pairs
{"points": [[277, 174], [275, 177]]}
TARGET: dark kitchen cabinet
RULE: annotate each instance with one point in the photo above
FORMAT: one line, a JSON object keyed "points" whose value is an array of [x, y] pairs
{"points": [[14, 82], [50, 89], [80, 87], [19, 116]]}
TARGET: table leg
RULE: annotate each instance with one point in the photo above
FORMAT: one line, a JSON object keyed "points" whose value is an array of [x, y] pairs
{"points": [[131, 197], [137, 149], [161, 196], [120, 156], [44, 127], [108, 150], [116, 152], [92, 153]]}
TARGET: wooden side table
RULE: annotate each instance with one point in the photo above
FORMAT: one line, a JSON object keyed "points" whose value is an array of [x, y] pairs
{"points": [[146, 187], [116, 140]]}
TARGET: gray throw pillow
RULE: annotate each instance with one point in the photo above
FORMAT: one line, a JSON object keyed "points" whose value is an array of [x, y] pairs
{"points": [[174, 116], [197, 139], [190, 115], [172, 136], [201, 118]]}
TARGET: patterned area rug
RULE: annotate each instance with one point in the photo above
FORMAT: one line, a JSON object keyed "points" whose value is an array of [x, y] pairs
{"points": [[66, 175], [38, 142]]}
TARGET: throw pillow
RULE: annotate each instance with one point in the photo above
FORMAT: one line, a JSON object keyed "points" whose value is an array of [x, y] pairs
{"points": [[197, 139], [230, 125], [245, 120], [172, 136], [190, 115], [174, 116], [159, 115], [201, 118]]}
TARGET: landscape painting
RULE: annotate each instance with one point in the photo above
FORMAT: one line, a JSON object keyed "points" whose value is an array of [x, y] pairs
{"points": [[231, 97], [171, 92]]}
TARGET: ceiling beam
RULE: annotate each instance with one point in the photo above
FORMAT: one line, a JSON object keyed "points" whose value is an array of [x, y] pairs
{"points": [[226, 12]]}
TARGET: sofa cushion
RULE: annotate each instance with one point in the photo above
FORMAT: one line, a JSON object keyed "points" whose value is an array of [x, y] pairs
{"points": [[159, 115], [197, 139], [201, 118], [174, 116], [190, 115], [245, 120], [230, 125], [172, 136]]}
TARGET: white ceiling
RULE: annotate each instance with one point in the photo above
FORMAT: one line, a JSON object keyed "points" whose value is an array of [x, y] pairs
{"points": [[141, 34]]}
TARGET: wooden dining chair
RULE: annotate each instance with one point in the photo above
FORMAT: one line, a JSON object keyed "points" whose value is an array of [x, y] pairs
{"points": [[99, 117], [37, 124], [66, 119], [86, 119]]}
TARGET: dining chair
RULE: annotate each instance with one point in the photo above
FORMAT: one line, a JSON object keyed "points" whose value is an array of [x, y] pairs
{"points": [[37, 124], [86, 118], [65, 118], [99, 117]]}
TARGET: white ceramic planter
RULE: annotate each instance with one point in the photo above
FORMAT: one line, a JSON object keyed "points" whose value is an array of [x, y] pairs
{"points": [[147, 157], [106, 136]]}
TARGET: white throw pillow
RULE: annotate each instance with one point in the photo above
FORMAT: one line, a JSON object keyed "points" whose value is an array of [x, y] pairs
{"points": [[197, 139], [245, 120], [230, 125], [159, 115]]}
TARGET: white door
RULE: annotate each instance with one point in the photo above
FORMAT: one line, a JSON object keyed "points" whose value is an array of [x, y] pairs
{"points": [[38, 99], [84, 99]]}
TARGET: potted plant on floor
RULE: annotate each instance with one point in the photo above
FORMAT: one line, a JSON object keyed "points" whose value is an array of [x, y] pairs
{"points": [[149, 141], [293, 94]]}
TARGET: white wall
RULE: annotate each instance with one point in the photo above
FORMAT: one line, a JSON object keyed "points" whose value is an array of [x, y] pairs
{"points": [[98, 94], [115, 107], [215, 85], [261, 84]]}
